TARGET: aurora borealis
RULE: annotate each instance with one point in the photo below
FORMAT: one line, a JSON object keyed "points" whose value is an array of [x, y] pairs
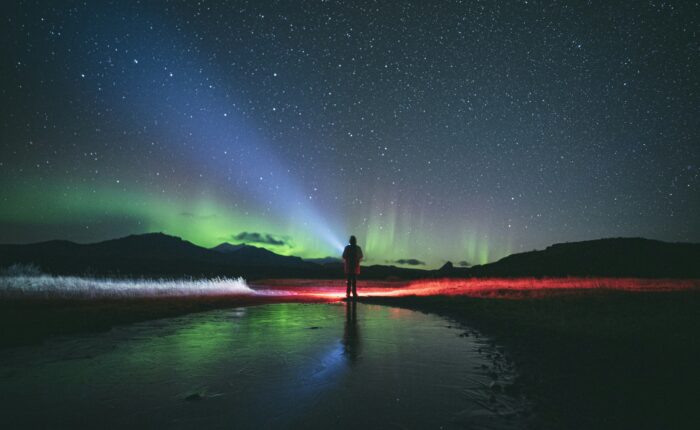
{"points": [[432, 130]]}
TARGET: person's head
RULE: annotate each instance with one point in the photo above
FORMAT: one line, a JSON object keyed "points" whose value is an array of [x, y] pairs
{"points": [[353, 240]]}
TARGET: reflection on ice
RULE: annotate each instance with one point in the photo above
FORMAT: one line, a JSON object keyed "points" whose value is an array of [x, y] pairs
{"points": [[274, 366], [351, 334]]}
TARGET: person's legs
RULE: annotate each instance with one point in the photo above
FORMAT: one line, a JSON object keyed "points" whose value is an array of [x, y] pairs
{"points": [[354, 285], [347, 291]]}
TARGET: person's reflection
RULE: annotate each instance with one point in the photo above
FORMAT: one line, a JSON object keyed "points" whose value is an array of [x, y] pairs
{"points": [[351, 335]]}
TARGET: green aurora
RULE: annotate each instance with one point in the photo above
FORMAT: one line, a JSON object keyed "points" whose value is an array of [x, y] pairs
{"points": [[208, 221], [460, 132]]}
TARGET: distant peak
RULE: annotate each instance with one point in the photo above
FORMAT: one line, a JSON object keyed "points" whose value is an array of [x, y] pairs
{"points": [[323, 260], [153, 236], [447, 266], [226, 247]]}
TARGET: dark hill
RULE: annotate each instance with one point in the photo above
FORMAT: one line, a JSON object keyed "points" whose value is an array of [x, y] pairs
{"points": [[325, 260], [618, 257], [160, 255], [252, 255], [152, 254], [227, 248]]}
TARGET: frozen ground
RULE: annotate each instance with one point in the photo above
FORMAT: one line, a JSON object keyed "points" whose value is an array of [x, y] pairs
{"points": [[336, 365]]}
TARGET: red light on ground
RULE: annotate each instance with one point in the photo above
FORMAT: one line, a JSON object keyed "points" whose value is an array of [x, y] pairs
{"points": [[333, 290]]}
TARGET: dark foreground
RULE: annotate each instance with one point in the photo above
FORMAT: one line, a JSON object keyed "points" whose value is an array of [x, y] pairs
{"points": [[586, 359], [604, 359], [285, 365]]}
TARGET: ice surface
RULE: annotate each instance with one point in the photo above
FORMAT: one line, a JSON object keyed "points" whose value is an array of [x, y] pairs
{"points": [[274, 366]]}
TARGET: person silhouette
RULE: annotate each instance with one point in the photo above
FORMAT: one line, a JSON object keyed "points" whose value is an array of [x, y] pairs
{"points": [[352, 256]]}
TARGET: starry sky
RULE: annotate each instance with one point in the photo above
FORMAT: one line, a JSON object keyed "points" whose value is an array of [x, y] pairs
{"points": [[432, 130]]}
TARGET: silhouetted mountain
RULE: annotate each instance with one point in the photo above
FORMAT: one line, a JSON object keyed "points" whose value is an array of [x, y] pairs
{"points": [[146, 254], [252, 255], [153, 254], [324, 260], [617, 257], [160, 255], [227, 248], [447, 267], [448, 270]]}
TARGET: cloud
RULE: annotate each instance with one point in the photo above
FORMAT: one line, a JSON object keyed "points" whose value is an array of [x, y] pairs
{"points": [[463, 263], [409, 262], [264, 238]]}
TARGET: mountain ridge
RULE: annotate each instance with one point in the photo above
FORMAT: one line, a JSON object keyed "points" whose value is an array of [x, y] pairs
{"points": [[162, 255]]}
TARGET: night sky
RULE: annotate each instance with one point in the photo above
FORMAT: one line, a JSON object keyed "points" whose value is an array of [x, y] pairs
{"points": [[432, 130]]}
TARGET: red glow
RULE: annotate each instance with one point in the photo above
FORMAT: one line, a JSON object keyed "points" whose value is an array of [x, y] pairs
{"points": [[487, 288]]}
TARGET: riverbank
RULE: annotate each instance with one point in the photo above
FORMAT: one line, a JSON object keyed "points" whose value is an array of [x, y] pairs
{"points": [[596, 359]]}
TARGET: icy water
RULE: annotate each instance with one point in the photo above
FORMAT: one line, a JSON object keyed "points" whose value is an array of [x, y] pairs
{"points": [[274, 366]]}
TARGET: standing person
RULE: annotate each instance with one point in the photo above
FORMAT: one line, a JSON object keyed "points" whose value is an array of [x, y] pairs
{"points": [[352, 256]]}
